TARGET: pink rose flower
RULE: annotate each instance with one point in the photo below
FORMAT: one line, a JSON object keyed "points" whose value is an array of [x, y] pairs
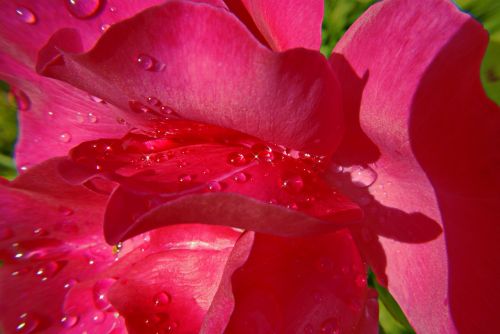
{"points": [[246, 182]]}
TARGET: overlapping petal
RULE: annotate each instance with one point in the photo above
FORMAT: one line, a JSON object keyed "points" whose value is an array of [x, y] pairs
{"points": [[58, 274], [283, 24], [293, 285], [434, 136], [199, 70], [184, 172]]}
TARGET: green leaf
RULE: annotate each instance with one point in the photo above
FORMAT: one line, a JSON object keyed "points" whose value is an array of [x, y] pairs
{"points": [[392, 319]]}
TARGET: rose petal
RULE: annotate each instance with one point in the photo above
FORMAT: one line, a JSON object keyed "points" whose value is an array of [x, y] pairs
{"points": [[291, 285], [178, 293], [438, 136], [53, 253], [53, 232], [202, 75], [27, 25], [54, 116], [184, 172], [284, 24]]}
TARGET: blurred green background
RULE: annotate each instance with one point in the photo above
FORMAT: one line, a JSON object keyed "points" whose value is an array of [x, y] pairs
{"points": [[339, 15]]}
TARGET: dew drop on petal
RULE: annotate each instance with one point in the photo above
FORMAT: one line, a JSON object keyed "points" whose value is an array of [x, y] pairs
{"points": [[40, 231], [138, 107], [65, 137], [145, 62], [293, 184], [185, 178], [161, 299], [69, 321], [104, 27], [26, 15], [240, 177], [363, 177], [98, 317], [47, 270], [236, 159], [214, 186], [153, 101], [28, 323], [83, 9], [330, 326], [92, 117], [100, 292], [70, 283], [79, 118], [66, 211]]}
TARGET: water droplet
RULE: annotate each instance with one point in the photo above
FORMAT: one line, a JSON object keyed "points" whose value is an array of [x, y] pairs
{"points": [[214, 186], [236, 159], [337, 168], [26, 15], [70, 283], [48, 270], [138, 107], [145, 62], [185, 178], [100, 291], [330, 326], [23, 169], [362, 177], [92, 118], [292, 206], [6, 233], [161, 299], [65, 137], [40, 231], [28, 323], [153, 101], [66, 211], [98, 317], [166, 110], [83, 9], [240, 177], [22, 100], [79, 118], [69, 321], [112, 9], [293, 184], [20, 272], [104, 27]]}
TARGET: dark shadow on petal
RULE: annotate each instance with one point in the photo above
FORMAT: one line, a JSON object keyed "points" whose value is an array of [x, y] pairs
{"points": [[455, 135], [356, 147]]}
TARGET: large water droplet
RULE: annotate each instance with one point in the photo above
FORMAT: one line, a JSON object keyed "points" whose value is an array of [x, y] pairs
{"points": [[83, 9], [293, 184], [26, 15], [69, 321], [153, 101], [65, 137], [91, 117], [240, 177], [104, 27], [161, 299], [79, 118], [330, 326], [214, 186], [28, 323], [100, 292], [236, 159], [362, 176], [39, 249], [145, 62], [98, 317]]}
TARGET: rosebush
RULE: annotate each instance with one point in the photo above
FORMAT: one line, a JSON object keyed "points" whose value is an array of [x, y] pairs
{"points": [[246, 182]]}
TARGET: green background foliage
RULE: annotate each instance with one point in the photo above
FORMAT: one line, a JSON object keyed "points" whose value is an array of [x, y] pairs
{"points": [[339, 15]]}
